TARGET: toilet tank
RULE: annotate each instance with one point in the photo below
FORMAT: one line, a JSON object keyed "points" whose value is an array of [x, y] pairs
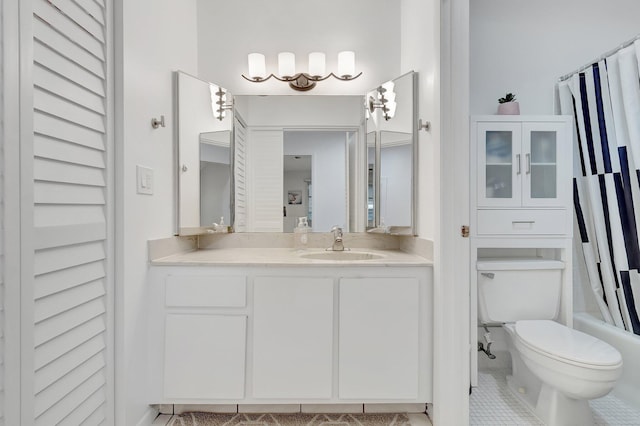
{"points": [[518, 289]]}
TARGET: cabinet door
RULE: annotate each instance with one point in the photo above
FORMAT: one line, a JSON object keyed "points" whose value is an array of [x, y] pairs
{"points": [[292, 337], [204, 356], [379, 340], [499, 164], [547, 164]]}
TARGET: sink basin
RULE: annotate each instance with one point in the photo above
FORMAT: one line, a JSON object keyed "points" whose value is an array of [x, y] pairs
{"points": [[342, 255]]}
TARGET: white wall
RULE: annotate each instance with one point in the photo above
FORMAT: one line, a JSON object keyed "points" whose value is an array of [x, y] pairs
{"points": [[306, 111], [232, 29], [153, 39], [420, 51], [524, 47], [214, 153]]}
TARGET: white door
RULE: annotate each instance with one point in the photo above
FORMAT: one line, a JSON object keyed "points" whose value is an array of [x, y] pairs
{"points": [[214, 346], [64, 249], [292, 337], [379, 340]]}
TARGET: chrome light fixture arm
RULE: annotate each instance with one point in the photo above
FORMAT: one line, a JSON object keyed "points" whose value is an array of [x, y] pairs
{"points": [[302, 81]]}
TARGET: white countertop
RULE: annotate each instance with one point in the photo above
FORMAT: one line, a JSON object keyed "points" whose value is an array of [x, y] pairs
{"points": [[286, 257]]}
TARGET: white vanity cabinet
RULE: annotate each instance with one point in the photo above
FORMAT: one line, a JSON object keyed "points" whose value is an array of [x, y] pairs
{"points": [[521, 174], [290, 335]]}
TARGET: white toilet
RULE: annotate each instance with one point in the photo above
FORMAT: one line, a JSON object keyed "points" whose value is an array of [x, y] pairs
{"points": [[556, 369]]}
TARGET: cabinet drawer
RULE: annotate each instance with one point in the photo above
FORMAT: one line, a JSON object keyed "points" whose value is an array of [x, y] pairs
{"points": [[205, 291], [522, 222]]}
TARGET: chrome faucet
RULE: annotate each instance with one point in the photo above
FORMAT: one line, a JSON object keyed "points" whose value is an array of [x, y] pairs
{"points": [[337, 239]]}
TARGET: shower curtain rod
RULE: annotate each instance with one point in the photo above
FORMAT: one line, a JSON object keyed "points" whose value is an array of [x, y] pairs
{"points": [[601, 57]]}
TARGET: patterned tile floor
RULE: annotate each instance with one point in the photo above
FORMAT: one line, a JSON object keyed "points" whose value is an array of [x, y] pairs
{"points": [[492, 404], [298, 419]]}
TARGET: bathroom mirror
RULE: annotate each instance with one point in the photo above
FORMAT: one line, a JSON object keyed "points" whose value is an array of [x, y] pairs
{"points": [[235, 162], [240, 167], [303, 157], [204, 154], [392, 156]]}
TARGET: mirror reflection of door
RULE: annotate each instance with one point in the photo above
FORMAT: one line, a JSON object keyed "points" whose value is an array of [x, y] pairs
{"points": [[325, 154], [296, 197], [215, 177]]}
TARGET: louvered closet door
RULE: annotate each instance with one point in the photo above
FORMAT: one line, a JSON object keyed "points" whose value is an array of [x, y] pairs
{"points": [[240, 176], [265, 180], [71, 214]]}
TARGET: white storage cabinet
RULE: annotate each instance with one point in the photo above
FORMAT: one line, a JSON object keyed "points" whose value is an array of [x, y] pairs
{"points": [[521, 175]]}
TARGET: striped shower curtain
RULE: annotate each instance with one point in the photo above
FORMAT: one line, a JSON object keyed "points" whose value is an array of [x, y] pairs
{"points": [[605, 102]]}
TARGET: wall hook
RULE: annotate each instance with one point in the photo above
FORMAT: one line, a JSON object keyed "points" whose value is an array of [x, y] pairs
{"points": [[155, 123], [424, 125]]}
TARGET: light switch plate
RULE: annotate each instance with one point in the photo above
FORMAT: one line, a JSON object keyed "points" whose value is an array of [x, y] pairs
{"points": [[144, 180]]}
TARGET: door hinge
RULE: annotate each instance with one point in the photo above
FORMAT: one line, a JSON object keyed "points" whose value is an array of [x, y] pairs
{"points": [[464, 231]]}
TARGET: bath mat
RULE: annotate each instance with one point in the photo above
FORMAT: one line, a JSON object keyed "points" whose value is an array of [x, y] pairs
{"points": [[294, 419]]}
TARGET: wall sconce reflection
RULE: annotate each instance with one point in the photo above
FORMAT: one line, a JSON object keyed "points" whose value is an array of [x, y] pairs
{"points": [[219, 104], [384, 98]]}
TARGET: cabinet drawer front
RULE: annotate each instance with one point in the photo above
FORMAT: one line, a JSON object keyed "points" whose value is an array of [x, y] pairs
{"points": [[522, 222], [206, 291]]}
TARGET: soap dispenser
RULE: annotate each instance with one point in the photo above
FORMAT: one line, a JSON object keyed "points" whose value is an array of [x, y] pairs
{"points": [[220, 227], [300, 237]]}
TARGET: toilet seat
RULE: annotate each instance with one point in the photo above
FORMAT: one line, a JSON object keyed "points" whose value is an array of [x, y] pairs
{"points": [[567, 345]]}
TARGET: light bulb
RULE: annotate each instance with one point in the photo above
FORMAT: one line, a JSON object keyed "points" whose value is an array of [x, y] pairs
{"points": [[346, 64], [316, 64], [257, 67], [286, 64]]}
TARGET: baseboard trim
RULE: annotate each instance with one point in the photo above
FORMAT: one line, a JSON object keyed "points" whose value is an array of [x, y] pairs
{"points": [[148, 417]]}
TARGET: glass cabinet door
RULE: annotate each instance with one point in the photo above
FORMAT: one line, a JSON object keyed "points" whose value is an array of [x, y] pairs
{"points": [[499, 156], [542, 155]]}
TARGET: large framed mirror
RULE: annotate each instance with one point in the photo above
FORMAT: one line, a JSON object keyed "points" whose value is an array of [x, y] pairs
{"points": [[392, 156], [268, 160], [273, 160]]}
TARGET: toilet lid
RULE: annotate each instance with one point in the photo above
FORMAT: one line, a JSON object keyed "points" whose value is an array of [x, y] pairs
{"points": [[566, 344]]}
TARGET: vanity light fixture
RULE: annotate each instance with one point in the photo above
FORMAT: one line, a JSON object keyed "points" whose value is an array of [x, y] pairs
{"points": [[219, 104], [384, 98], [302, 81]]}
